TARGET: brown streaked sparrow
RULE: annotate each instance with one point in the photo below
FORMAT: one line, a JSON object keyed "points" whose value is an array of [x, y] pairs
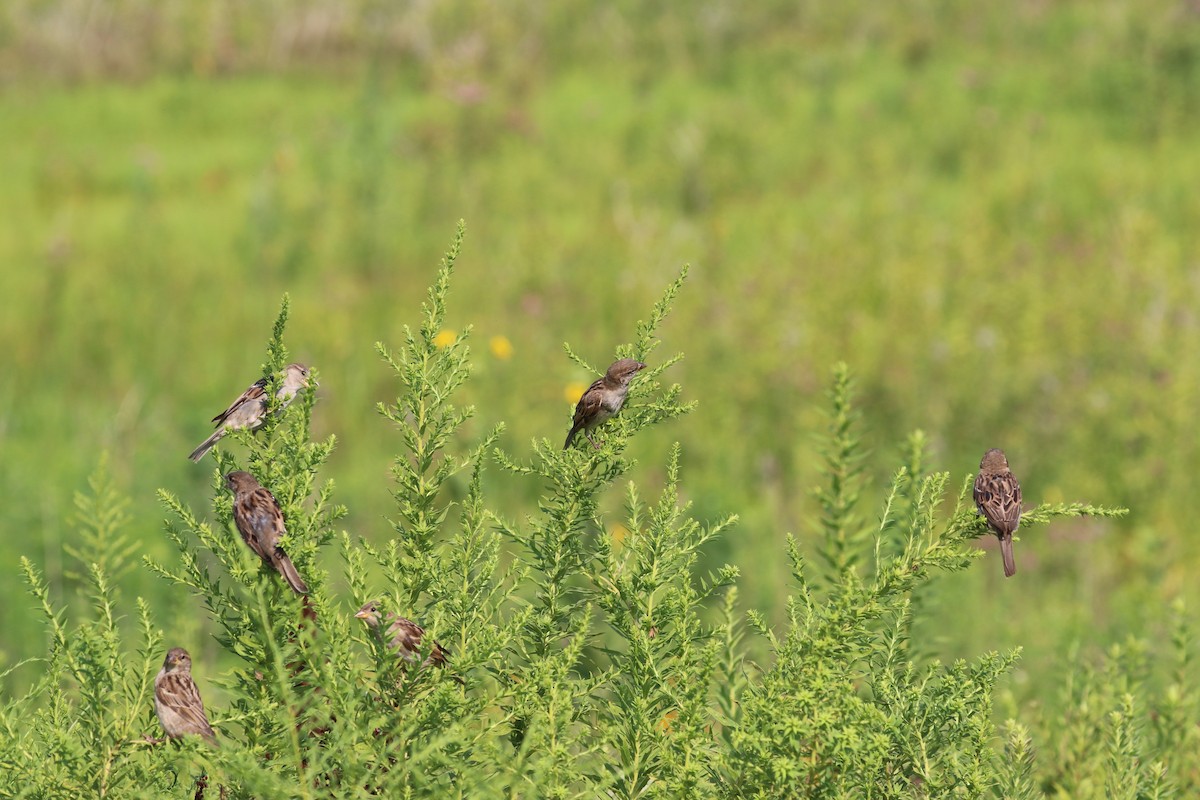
{"points": [[998, 498], [259, 519], [405, 636], [177, 700], [248, 410], [603, 399]]}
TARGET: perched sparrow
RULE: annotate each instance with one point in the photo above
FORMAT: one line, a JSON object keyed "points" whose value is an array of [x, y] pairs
{"points": [[998, 497], [406, 636], [177, 700], [258, 518], [603, 399], [248, 410]]}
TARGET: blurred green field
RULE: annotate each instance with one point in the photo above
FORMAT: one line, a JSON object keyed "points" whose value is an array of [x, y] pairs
{"points": [[988, 212]]}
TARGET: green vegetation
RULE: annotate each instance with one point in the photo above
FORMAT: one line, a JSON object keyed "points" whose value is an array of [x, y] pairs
{"points": [[585, 666], [988, 213]]}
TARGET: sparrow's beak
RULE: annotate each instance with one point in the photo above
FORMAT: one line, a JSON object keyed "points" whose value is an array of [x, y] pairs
{"points": [[641, 366], [362, 614]]}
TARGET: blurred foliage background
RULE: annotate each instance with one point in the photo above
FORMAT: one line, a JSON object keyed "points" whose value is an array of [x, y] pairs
{"points": [[988, 211]]}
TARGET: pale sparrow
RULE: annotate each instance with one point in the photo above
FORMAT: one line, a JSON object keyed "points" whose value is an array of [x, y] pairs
{"points": [[603, 399], [248, 410], [177, 700]]}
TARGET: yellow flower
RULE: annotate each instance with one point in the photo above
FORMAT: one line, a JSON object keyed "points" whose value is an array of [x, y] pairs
{"points": [[445, 338], [501, 347], [573, 391], [618, 532]]}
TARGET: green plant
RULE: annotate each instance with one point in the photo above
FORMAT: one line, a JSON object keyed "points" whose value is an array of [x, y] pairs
{"points": [[593, 656]]}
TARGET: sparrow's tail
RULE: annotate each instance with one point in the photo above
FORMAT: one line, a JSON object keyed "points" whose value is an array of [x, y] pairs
{"points": [[207, 444], [288, 570], [571, 435], [1010, 565], [440, 657]]}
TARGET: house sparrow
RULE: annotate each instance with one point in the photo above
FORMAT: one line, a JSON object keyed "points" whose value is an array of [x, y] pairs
{"points": [[603, 399], [248, 410], [406, 636], [998, 497], [177, 700], [260, 521]]}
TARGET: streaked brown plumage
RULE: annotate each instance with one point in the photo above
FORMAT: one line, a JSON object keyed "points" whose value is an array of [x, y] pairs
{"points": [[603, 399], [259, 519], [248, 410], [998, 498], [177, 700], [405, 636]]}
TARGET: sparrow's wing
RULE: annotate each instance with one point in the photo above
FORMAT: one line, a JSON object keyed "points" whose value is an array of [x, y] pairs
{"points": [[260, 521], [406, 636], [589, 405], [252, 394], [179, 701], [586, 410], [406, 640], [1010, 491], [999, 499]]}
